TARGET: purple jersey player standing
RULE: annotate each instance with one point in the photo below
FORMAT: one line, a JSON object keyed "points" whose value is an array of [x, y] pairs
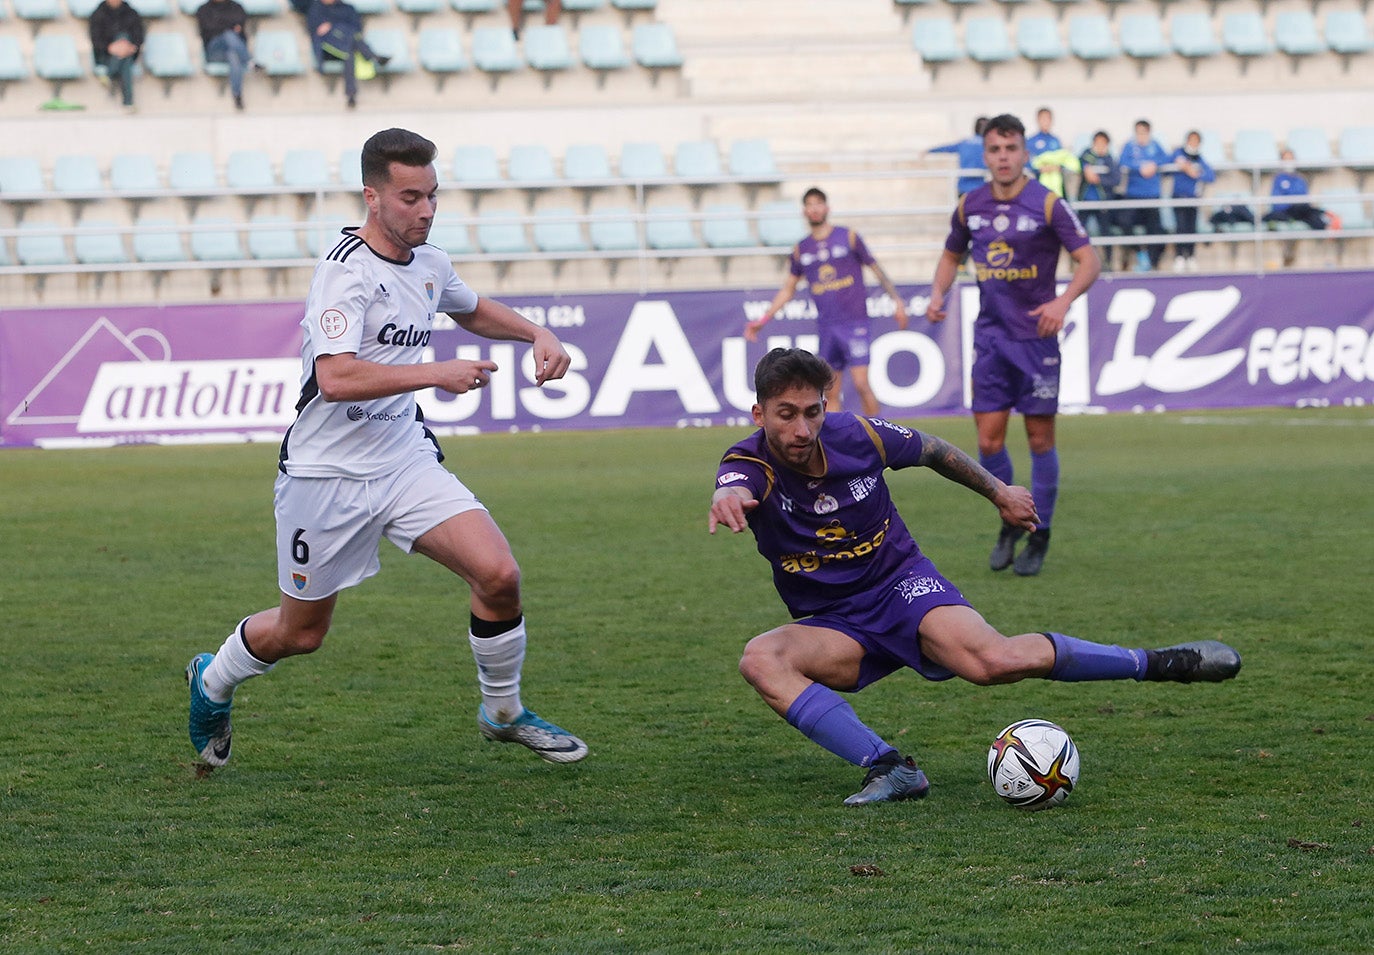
{"points": [[832, 260], [1014, 228], [865, 600]]}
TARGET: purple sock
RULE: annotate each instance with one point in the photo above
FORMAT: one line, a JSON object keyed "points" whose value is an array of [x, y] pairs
{"points": [[999, 464], [1045, 484], [827, 720], [1078, 660]]}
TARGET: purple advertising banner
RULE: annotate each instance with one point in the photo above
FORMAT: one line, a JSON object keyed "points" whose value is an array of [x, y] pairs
{"points": [[100, 376]]}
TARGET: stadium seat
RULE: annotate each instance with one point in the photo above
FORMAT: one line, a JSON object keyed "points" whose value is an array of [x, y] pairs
{"points": [[215, 239], [1192, 37], [1356, 147], [586, 161], [1142, 38], [280, 55], [418, 9], [81, 9], [530, 165], [557, 230], [1243, 35], [1090, 39], [475, 166], [669, 228], [21, 174], [440, 51], [1037, 39], [99, 243], [494, 52], [1347, 206], [13, 69], [260, 8], [77, 175], [372, 8], [547, 50], [934, 38], [959, 5], [987, 42], [158, 240], [1311, 147], [1296, 34], [1347, 33], [753, 159], [502, 234], [167, 56], [323, 233], [273, 237], [1255, 147], [471, 9], [351, 168], [906, 6], [305, 169], [193, 173], [726, 226], [156, 9], [134, 173], [642, 161], [37, 244], [391, 43], [249, 169], [630, 7], [655, 48], [602, 48], [613, 230], [452, 236], [37, 11], [1061, 6], [781, 224], [697, 160], [55, 59]]}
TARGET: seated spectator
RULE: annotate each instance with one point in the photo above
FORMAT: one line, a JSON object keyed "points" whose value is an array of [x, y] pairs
{"points": [[552, 8], [336, 32], [970, 153], [1191, 173], [1232, 215], [116, 39], [1287, 184], [1101, 182], [221, 24]]}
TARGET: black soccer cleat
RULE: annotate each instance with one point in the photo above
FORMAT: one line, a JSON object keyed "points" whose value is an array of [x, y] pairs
{"points": [[891, 780], [1032, 556], [1203, 661], [1005, 548]]}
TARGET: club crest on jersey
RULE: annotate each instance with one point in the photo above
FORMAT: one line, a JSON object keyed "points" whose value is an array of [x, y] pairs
{"points": [[429, 291], [333, 323], [825, 504], [1001, 222], [299, 580]]}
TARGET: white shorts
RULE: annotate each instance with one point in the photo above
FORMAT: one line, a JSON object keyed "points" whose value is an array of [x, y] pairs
{"points": [[328, 529]]}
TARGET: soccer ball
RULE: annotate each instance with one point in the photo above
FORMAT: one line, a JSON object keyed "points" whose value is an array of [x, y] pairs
{"points": [[1033, 764]]}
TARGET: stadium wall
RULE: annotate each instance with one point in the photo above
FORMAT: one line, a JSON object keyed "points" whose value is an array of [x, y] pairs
{"points": [[74, 377]]}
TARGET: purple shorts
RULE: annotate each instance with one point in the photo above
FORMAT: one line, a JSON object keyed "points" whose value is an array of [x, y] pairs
{"points": [[1008, 373], [844, 346], [886, 623]]}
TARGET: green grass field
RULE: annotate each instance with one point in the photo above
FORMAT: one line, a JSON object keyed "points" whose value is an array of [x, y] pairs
{"points": [[363, 813]]}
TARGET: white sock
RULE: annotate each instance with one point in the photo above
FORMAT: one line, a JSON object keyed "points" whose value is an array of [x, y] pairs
{"points": [[231, 666], [499, 659]]}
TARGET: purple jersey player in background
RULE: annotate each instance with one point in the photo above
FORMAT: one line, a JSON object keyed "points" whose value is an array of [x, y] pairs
{"points": [[1014, 227], [832, 259], [865, 600]]}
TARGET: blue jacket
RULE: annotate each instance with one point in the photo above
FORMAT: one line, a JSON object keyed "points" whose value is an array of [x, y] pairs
{"points": [[970, 153], [1133, 156], [1287, 184], [341, 15], [1185, 186]]}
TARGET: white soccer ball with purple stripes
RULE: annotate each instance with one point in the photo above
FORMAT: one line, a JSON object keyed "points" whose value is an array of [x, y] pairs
{"points": [[1033, 764]]}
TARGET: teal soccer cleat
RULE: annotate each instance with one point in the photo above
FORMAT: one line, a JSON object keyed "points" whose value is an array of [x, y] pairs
{"points": [[891, 782], [211, 732], [551, 742]]}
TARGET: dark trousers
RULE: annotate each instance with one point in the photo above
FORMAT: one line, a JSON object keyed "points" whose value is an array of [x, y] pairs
{"points": [[1149, 220], [1185, 217], [1308, 215], [348, 44]]}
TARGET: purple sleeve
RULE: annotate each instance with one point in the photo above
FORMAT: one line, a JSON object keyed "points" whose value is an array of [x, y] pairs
{"points": [[856, 242], [959, 234], [794, 263], [735, 471], [901, 446], [1066, 225]]}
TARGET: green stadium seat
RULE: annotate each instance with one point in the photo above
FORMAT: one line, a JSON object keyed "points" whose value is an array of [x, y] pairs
{"points": [[158, 240], [1296, 34], [193, 172], [134, 173], [475, 167], [279, 53], [99, 243], [21, 174], [1091, 40], [440, 51], [56, 59], [697, 160], [669, 228], [372, 8], [935, 39], [502, 234], [1192, 37], [249, 169], [613, 230], [494, 52], [530, 165], [602, 48], [1255, 147], [37, 11], [1142, 38], [655, 47], [167, 56], [273, 238], [1347, 33], [642, 161], [726, 226], [1356, 147], [586, 162], [305, 169], [987, 42], [351, 168], [1037, 39], [1243, 35], [558, 230], [216, 239], [77, 174], [1311, 147], [753, 159], [37, 245], [547, 50]]}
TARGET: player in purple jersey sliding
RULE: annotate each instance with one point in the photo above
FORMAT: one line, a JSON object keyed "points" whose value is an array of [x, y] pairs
{"points": [[832, 259], [865, 601], [1014, 228]]}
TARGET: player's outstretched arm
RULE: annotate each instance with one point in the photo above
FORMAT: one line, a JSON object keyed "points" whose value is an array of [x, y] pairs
{"points": [[1014, 503], [491, 319], [729, 505], [346, 377]]}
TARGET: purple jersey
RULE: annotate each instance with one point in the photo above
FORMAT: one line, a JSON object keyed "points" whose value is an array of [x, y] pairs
{"points": [[834, 537], [1015, 247], [834, 271]]}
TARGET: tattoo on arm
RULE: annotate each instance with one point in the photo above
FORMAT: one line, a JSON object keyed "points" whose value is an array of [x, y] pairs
{"points": [[950, 462]]}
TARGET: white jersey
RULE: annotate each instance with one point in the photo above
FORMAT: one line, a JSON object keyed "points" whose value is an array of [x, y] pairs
{"points": [[382, 311]]}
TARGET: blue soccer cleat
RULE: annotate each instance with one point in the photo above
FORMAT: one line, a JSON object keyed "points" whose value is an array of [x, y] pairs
{"points": [[891, 782], [211, 732], [551, 742]]}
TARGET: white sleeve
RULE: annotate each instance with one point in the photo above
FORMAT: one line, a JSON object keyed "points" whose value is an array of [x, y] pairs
{"points": [[334, 310], [456, 296]]}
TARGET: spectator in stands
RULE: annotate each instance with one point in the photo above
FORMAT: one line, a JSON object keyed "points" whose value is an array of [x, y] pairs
{"points": [[552, 8], [1141, 160], [1287, 184], [1043, 141], [970, 153], [116, 39], [1101, 182], [1191, 173], [221, 24], [336, 32], [1050, 167]]}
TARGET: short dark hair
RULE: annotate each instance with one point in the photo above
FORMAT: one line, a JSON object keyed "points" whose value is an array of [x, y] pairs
{"points": [[784, 368], [1142, 122], [394, 145], [1103, 134], [813, 191], [1007, 125], [980, 125]]}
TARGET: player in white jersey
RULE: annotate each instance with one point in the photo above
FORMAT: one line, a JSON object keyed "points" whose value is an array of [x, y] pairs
{"points": [[358, 464]]}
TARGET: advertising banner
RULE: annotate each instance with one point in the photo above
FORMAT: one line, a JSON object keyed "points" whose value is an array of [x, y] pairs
{"points": [[99, 376]]}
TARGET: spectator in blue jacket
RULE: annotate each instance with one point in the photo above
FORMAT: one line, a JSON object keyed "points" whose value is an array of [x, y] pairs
{"points": [[1043, 141], [1141, 160], [336, 32], [1100, 182], [1191, 173], [1289, 183], [970, 153]]}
